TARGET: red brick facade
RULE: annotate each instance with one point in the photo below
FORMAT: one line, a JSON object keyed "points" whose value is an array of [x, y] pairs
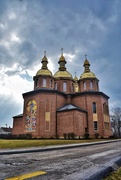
{"points": [[60, 105]]}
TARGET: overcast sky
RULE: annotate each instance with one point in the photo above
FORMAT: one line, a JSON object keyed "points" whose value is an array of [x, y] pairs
{"points": [[29, 27]]}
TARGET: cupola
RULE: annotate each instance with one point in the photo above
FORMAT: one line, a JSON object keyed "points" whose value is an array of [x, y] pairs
{"points": [[62, 72], [44, 77], [88, 80], [44, 69], [75, 78], [87, 73], [76, 83], [63, 79]]}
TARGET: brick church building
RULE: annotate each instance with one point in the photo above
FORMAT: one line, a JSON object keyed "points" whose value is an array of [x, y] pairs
{"points": [[61, 104]]}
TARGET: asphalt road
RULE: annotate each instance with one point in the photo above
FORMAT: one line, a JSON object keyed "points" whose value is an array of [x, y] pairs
{"points": [[69, 164]]}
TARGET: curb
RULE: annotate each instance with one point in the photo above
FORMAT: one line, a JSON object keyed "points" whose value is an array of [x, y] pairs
{"points": [[103, 172], [52, 148]]}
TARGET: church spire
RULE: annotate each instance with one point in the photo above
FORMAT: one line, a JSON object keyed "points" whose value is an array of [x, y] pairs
{"points": [[62, 61], [75, 78], [44, 61], [86, 64]]}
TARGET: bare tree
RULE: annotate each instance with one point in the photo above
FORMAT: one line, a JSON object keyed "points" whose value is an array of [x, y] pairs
{"points": [[116, 121]]}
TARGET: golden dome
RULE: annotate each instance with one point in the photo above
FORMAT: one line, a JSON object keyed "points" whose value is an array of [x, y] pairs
{"points": [[63, 74], [86, 62], [44, 72], [44, 69], [87, 75], [62, 58], [75, 78]]}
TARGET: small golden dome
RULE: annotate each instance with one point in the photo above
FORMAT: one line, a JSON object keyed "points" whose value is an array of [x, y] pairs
{"points": [[44, 72], [75, 78], [44, 58], [63, 74], [86, 62], [44, 69], [87, 75], [62, 58]]}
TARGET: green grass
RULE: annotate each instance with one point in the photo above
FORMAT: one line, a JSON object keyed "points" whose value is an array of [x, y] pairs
{"points": [[5, 144], [116, 175]]}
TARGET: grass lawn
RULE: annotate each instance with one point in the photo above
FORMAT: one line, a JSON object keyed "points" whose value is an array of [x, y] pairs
{"points": [[5, 144], [116, 175]]}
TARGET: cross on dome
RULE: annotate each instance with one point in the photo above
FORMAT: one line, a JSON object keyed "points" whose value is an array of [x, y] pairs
{"points": [[85, 56], [44, 53], [61, 51]]}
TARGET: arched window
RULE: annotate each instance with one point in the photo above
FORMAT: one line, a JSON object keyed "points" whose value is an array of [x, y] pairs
{"points": [[95, 125], [55, 86], [64, 86], [72, 87], [84, 85], [94, 107], [51, 83], [36, 82], [97, 86], [105, 109], [91, 85], [31, 112], [44, 82]]}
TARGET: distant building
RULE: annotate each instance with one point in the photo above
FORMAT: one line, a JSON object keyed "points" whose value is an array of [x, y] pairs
{"points": [[61, 104], [5, 130]]}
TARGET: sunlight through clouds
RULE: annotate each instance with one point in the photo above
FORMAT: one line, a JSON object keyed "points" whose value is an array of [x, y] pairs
{"points": [[15, 38]]}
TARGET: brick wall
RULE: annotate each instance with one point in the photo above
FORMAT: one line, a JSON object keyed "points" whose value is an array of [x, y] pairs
{"points": [[72, 121], [17, 125]]}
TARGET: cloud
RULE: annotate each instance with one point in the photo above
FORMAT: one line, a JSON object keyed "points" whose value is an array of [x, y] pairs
{"points": [[9, 107], [28, 28]]}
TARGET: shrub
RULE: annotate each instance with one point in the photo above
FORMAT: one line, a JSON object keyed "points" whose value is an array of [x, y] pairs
{"points": [[86, 135], [96, 135], [71, 135], [24, 136], [65, 136]]}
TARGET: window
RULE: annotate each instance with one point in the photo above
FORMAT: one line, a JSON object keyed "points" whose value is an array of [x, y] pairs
{"points": [[36, 82], [64, 86], [44, 82], [107, 126], [31, 112], [51, 83], [84, 85], [97, 86], [94, 107], [55, 85], [91, 85], [72, 87], [105, 109], [47, 121], [95, 125]]}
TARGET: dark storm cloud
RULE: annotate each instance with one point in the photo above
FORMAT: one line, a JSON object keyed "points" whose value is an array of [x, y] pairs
{"points": [[27, 53], [28, 28], [5, 57]]}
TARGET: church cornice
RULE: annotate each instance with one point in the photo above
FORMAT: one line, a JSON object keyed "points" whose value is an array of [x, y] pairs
{"points": [[90, 93], [43, 90]]}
